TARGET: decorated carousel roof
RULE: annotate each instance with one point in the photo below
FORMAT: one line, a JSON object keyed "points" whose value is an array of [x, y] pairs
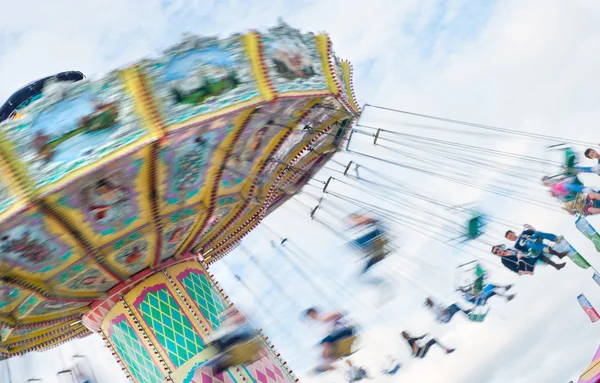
{"points": [[106, 181]]}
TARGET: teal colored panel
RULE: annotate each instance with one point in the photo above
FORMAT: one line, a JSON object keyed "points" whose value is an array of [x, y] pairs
{"points": [[206, 297], [170, 325], [134, 354]]}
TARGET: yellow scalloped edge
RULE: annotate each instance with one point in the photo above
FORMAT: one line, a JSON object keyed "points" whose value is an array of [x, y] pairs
{"points": [[44, 346], [323, 48], [347, 83], [43, 318], [40, 331], [6, 319]]}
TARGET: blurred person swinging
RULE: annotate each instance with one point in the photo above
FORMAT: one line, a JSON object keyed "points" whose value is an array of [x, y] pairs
{"points": [[235, 341]]}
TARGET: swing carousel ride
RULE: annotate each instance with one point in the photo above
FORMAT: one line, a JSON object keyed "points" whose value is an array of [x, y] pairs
{"points": [[116, 193]]}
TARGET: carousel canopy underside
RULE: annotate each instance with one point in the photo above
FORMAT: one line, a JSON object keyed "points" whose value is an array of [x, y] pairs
{"points": [[106, 181]]}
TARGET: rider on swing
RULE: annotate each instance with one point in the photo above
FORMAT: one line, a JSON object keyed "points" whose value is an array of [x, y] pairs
{"points": [[372, 243], [234, 331], [577, 198], [531, 240], [478, 293], [517, 262], [340, 329]]}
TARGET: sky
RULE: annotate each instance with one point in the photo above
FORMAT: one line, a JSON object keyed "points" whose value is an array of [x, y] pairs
{"points": [[528, 65]]}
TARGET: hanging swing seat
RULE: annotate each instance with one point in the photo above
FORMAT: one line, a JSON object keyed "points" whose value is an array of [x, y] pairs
{"points": [[344, 347], [570, 159], [475, 226], [373, 244], [478, 316], [242, 353]]}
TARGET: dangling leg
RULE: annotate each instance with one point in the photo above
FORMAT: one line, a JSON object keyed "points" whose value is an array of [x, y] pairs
{"points": [[550, 250], [328, 351], [492, 290], [594, 195], [548, 261], [425, 349], [453, 309]]}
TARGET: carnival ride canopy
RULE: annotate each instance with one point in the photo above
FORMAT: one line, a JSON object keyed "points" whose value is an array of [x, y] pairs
{"points": [[106, 181]]}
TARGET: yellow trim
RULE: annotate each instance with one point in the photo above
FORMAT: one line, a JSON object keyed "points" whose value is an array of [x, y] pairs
{"points": [[239, 234], [76, 218], [251, 42], [323, 48], [80, 330], [48, 317], [592, 370], [52, 290], [7, 319], [293, 154], [10, 159], [63, 327], [144, 108], [54, 228], [11, 183], [150, 136], [347, 81]]}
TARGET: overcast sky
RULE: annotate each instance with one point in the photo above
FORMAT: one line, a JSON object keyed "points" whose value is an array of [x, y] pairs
{"points": [[529, 65]]}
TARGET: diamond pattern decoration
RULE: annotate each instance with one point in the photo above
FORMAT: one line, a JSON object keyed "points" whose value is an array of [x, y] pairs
{"points": [[135, 356], [206, 374], [267, 369], [205, 295], [170, 326]]}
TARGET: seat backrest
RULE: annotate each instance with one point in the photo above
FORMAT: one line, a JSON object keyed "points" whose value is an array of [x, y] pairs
{"points": [[344, 346]]}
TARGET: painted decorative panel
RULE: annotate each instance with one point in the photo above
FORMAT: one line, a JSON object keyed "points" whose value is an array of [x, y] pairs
{"points": [[71, 126], [204, 294], [33, 244], [177, 227], [169, 324], [83, 277], [48, 307], [293, 61], [185, 160], [132, 352], [10, 297], [200, 76], [266, 123], [132, 253], [110, 201]]}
